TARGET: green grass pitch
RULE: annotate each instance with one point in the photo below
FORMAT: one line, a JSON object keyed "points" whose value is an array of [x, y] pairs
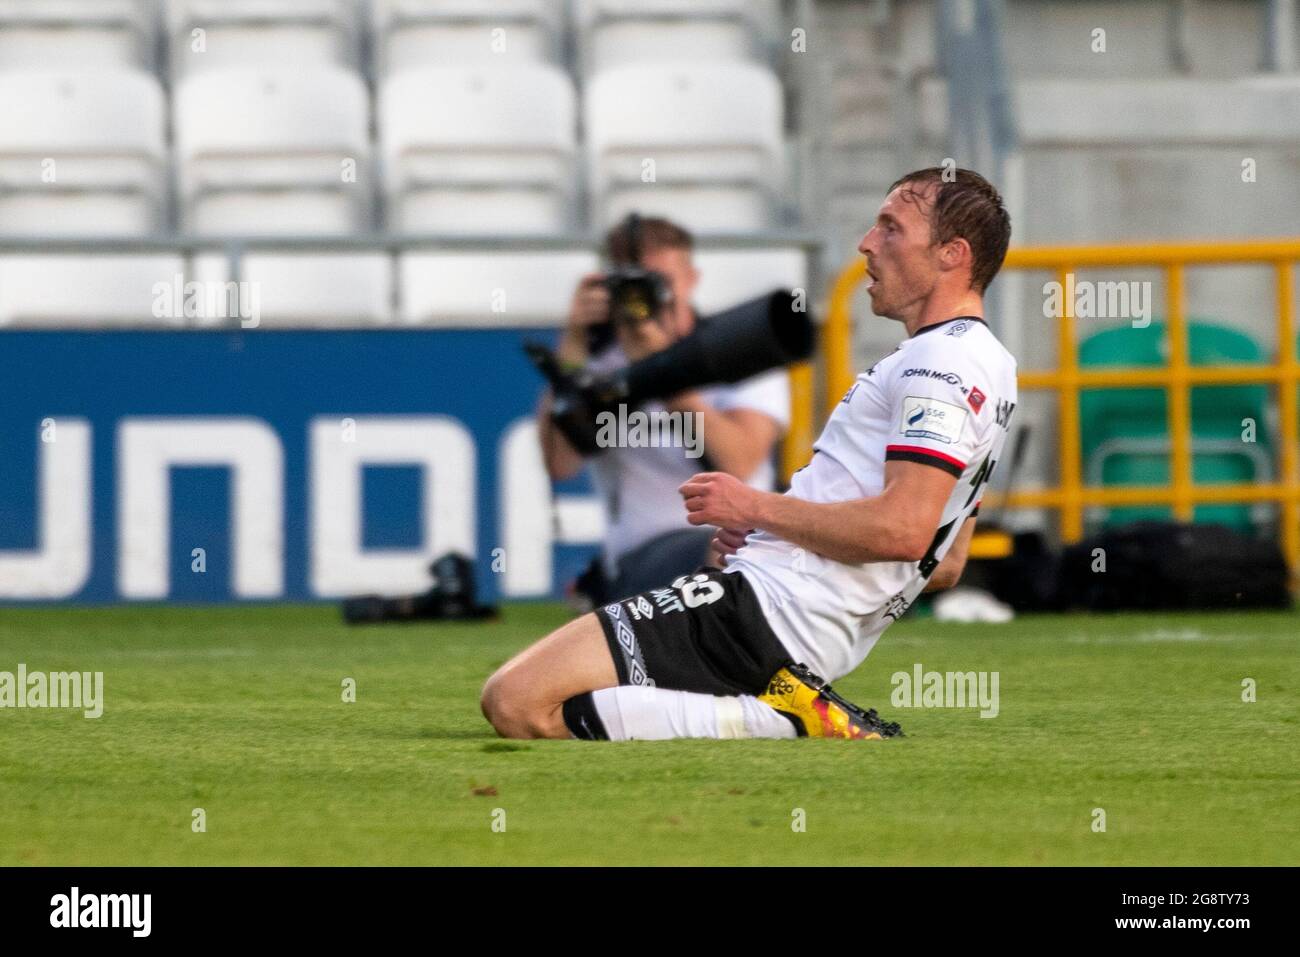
{"points": [[239, 711]]}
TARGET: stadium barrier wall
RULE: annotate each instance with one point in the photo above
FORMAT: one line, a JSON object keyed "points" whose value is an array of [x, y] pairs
{"points": [[305, 464]]}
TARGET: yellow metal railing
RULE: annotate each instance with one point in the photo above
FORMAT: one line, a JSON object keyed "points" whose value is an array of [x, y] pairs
{"points": [[1070, 496], [797, 446]]}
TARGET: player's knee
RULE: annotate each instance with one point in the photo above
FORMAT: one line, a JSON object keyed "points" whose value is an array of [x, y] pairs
{"points": [[505, 708], [494, 703]]}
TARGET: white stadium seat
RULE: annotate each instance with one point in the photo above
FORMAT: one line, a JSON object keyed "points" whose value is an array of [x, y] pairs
{"points": [[729, 277], [318, 289], [619, 32], [702, 144], [99, 290], [81, 153], [77, 34], [283, 151], [483, 149], [490, 289], [219, 34], [411, 34]]}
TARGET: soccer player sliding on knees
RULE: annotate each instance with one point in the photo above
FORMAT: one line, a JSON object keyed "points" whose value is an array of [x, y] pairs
{"points": [[804, 584]]}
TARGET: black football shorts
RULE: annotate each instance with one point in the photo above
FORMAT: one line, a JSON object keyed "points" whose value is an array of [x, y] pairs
{"points": [[705, 632]]}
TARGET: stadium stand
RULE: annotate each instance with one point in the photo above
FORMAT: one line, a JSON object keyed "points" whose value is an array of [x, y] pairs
{"points": [[475, 124], [203, 127]]}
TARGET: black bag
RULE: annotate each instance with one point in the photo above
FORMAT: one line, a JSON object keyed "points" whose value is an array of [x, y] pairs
{"points": [[1029, 579], [1166, 566], [452, 597]]}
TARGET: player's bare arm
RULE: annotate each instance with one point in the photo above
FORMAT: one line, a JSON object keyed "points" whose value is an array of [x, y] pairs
{"points": [[728, 541], [896, 525]]}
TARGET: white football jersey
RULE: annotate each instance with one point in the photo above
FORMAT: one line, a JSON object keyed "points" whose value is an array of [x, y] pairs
{"points": [[944, 397]]}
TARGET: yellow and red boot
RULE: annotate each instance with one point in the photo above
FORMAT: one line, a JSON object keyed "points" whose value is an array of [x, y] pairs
{"points": [[816, 711]]}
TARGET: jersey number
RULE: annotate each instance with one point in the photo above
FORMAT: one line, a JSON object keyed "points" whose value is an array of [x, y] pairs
{"points": [[698, 590]]}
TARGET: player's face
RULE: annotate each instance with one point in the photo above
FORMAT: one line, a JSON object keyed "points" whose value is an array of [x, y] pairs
{"points": [[901, 265]]}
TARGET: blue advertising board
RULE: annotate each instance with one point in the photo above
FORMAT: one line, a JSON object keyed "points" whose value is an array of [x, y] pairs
{"points": [[276, 465]]}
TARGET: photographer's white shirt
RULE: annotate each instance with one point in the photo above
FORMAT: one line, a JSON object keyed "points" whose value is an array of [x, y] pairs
{"points": [[944, 398], [638, 486]]}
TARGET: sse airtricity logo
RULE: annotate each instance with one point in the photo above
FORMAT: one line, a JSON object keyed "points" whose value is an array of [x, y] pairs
{"points": [[931, 419]]}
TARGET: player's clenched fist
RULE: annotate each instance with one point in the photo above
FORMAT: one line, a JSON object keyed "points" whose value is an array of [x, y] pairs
{"points": [[726, 542], [716, 498]]}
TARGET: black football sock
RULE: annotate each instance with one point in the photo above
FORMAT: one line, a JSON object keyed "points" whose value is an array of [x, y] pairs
{"points": [[582, 719]]}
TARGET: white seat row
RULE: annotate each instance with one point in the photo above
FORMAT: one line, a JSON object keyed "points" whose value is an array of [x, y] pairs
{"points": [[342, 290], [490, 149], [216, 34]]}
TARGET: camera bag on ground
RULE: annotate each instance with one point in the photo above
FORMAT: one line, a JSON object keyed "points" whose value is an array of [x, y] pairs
{"points": [[452, 598], [1167, 565]]}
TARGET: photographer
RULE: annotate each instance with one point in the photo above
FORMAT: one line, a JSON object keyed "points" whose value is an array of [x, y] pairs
{"points": [[648, 541]]}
